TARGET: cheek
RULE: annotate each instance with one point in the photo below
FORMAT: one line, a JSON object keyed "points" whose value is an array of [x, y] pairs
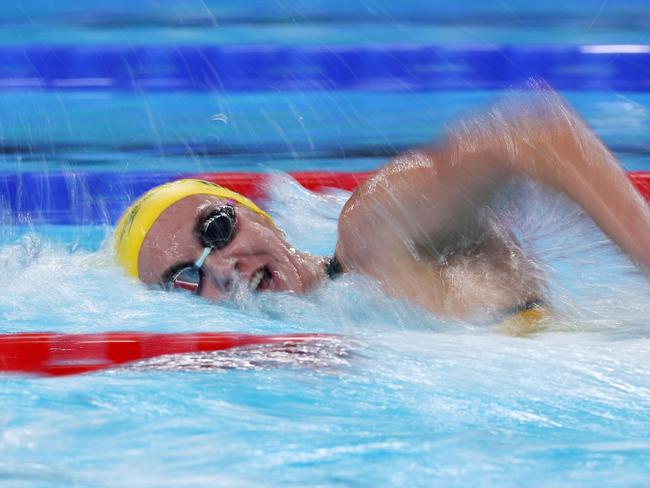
{"points": [[282, 251], [151, 264], [259, 237]]}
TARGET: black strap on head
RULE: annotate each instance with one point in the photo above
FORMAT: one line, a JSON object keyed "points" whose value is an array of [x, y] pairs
{"points": [[333, 267]]}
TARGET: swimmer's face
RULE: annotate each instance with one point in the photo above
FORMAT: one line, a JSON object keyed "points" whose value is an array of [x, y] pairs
{"points": [[258, 256]]}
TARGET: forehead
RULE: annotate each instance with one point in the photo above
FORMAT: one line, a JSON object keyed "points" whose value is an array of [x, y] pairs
{"points": [[172, 238]]}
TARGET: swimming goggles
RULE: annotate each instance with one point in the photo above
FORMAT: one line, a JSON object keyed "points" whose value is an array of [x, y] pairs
{"points": [[216, 232]]}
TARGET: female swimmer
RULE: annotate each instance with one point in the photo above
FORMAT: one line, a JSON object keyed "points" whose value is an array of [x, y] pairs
{"points": [[421, 226]]}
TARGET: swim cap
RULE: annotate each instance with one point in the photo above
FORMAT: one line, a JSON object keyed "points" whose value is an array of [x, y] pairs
{"points": [[137, 220]]}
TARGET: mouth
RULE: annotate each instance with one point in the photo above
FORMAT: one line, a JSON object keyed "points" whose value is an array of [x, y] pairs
{"points": [[261, 280]]}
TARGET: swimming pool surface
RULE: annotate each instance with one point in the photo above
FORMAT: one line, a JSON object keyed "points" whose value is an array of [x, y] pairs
{"points": [[406, 399]]}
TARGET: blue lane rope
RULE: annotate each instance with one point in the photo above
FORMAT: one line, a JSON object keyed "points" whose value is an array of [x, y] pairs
{"points": [[377, 67]]}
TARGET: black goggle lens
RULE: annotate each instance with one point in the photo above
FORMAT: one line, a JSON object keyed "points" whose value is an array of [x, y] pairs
{"points": [[218, 228]]}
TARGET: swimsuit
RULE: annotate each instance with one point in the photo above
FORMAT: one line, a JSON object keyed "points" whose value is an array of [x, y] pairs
{"points": [[525, 318], [333, 267]]}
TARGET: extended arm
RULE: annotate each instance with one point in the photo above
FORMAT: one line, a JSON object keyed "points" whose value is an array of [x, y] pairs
{"points": [[546, 140], [432, 191]]}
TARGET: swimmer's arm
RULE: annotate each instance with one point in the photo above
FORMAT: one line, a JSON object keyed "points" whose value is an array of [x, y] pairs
{"points": [[546, 140], [440, 191]]}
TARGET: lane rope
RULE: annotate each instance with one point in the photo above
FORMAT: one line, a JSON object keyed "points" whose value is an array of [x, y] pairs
{"points": [[252, 184], [56, 354], [108, 194]]}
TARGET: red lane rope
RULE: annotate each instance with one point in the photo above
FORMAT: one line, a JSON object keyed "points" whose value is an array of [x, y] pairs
{"points": [[641, 180], [54, 354], [253, 184]]}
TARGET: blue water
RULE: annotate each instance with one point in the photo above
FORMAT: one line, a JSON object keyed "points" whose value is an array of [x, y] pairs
{"points": [[404, 399]]}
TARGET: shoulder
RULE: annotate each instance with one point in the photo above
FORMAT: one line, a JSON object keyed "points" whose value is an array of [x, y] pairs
{"points": [[369, 232], [354, 235]]}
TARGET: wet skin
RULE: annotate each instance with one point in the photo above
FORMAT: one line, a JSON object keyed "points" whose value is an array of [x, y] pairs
{"points": [[422, 226]]}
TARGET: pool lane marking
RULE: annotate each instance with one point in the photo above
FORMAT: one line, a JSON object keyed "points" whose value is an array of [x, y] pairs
{"points": [[56, 354]]}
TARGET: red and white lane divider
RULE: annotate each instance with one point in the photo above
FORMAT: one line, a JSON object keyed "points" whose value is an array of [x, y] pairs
{"points": [[54, 354], [253, 184]]}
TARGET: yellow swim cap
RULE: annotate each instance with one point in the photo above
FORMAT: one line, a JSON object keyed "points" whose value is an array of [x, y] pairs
{"points": [[137, 220]]}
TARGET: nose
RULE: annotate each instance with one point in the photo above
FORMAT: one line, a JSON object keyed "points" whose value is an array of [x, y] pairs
{"points": [[219, 270]]}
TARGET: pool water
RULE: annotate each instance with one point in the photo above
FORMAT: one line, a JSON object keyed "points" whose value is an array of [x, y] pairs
{"points": [[405, 399]]}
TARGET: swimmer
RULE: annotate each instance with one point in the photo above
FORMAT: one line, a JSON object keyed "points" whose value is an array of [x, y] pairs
{"points": [[422, 226]]}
